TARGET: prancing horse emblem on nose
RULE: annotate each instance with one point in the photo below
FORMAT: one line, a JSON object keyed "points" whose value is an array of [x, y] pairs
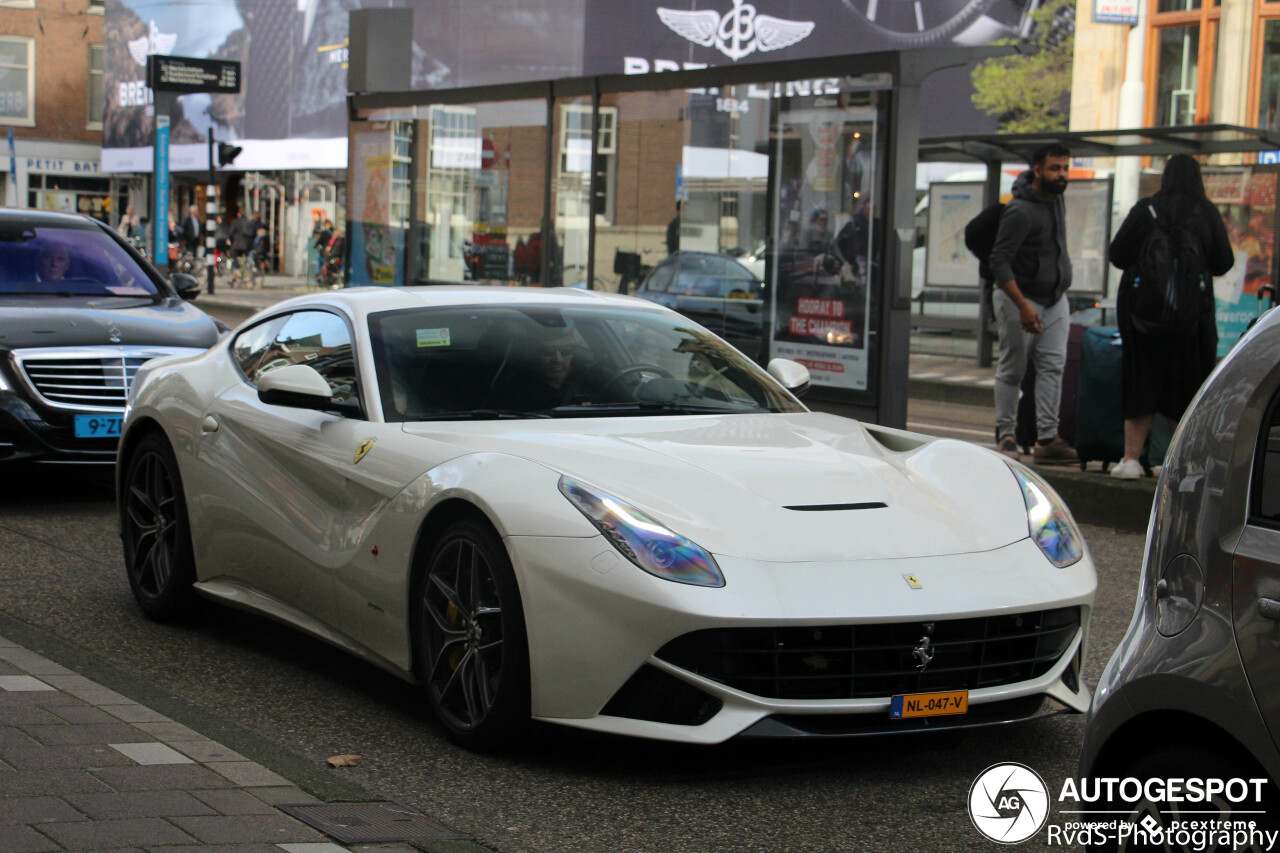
{"points": [[923, 653]]}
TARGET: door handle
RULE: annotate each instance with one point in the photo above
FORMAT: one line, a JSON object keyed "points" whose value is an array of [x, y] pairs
{"points": [[1269, 608], [209, 424]]}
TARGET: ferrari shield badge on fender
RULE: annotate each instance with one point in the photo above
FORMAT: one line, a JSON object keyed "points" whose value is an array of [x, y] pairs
{"points": [[912, 580], [363, 450]]}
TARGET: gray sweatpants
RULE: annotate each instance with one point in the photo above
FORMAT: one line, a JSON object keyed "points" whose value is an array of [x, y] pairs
{"points": [[1048, 350]]}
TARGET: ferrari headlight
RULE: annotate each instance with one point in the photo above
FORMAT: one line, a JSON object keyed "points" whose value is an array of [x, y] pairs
{"points": [[649, 544], [1050, 523]]}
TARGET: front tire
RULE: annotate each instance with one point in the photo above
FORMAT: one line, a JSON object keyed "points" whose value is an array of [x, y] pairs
{"points": [[154, 526], [472, 650]]}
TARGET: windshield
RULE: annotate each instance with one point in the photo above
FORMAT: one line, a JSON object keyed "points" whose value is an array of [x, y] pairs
{"points": [[527, 362], [61, 262]]}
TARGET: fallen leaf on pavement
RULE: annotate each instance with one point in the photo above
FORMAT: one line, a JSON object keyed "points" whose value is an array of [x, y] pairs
{"points": [[343, 760]]}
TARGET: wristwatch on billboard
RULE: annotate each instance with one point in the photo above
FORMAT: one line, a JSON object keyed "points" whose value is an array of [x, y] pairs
{"points": [[932, 22]]}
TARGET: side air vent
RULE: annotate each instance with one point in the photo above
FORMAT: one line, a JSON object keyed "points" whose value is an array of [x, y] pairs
{"points": [[837, 507]]}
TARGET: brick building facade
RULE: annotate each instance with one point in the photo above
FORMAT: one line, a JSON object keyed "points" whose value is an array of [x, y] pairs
{"points": [[51, 98]]}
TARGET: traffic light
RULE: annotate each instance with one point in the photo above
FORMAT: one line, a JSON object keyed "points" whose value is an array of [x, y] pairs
{"points": [[227, 153]]}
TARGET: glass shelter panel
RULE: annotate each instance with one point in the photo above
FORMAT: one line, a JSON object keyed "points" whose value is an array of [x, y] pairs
{"points": [[485, 170], [829, 169], [571, 191], [681, 204]]}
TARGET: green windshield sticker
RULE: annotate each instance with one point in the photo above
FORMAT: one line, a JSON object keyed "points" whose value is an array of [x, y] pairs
{"points": [[433, 337]]}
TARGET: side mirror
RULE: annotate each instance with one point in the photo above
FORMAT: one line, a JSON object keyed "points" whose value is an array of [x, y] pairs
{"points": [[790, 374], [299, 386], [188, 286]]}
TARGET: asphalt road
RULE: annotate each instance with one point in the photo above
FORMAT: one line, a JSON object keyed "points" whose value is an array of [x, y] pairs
{"points": [[291, 702]]}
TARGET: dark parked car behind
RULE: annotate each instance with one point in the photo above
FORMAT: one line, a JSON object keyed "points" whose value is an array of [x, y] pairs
{"points": [[79, 313], [717, 292]]}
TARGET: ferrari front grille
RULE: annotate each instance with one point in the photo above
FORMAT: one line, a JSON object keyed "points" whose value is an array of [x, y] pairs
{"points": [[878, 660]]}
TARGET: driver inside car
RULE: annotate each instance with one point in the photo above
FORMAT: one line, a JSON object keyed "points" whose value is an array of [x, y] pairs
{"points": [[546, 375], [53, 262]]}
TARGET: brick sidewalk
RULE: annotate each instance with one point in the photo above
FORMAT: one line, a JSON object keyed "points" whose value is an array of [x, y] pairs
{"points": [[85, 768]]}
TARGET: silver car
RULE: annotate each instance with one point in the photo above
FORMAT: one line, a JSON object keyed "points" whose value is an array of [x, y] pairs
{"points": [[1193, 690]]}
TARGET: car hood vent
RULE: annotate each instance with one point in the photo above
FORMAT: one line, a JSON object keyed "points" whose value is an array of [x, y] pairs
{"points": [[838, 507]]}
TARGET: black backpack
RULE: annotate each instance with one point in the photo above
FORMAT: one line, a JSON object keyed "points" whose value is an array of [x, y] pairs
{"points": [[980, 237], [1168, 291]]}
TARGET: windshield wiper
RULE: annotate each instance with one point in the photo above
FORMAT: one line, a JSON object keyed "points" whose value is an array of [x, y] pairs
{"points": [[483, 415], [647, 408]]}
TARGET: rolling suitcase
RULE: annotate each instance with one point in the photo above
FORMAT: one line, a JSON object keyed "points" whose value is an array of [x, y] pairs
{"points": [[1100, 407], [1026, 429]]}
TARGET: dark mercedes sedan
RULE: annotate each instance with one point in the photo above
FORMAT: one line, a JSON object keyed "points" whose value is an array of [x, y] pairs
{"points": [[80, 311]]}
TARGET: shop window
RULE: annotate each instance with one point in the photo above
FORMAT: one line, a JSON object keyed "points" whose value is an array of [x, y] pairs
{"points": [[1178, 5], [96, 6], [96, 91], [17, 74], [1179, 68], [70, 194]]}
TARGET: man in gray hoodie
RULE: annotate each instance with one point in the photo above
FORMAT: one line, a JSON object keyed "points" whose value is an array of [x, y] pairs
{"points": [[1032, 270]]}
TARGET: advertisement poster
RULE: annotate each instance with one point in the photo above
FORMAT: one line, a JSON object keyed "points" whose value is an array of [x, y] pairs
{"points": [[948, 263], [294, 56], [377, 247], [828, 178], [1247, 200]]}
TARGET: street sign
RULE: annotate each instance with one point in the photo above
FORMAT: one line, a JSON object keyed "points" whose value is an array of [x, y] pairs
{"points": [[1268, 158], [160, 228], [188, 74], [1115, 12]]}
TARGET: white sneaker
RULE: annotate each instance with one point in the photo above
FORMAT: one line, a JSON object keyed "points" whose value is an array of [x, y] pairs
{"points": [[1127, 469]]}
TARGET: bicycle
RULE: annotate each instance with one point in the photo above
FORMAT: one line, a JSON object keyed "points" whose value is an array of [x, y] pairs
{"points": [[243, 271], [187, 262]]}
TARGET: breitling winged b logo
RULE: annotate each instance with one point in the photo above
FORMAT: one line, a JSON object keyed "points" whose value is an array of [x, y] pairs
{"points": [[740, 32], [153, 42]]}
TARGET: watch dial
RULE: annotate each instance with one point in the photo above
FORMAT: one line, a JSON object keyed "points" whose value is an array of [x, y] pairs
{"points": [[919, 21]]}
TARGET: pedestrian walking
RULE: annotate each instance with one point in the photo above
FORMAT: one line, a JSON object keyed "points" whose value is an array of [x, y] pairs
{"points": [[221, 235], [1169, 246], [242, 235], [192, 230], [1032, 270], [321, 243], [129, 224]]}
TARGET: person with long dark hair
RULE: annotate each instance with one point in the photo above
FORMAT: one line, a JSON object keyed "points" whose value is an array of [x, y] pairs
{"points": [[1161, 373]]}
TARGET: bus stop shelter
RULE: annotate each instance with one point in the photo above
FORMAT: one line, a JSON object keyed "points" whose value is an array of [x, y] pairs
{"points": [[590, 181]]}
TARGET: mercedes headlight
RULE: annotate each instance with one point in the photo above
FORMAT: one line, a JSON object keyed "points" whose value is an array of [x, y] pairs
{"points": [[1050, 523], [649, 544]]}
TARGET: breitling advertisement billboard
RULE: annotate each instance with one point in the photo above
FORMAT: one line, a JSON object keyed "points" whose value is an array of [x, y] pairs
{"points": [[294, 58]]}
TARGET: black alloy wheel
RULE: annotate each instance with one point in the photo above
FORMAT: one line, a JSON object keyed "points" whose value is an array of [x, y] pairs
{"points": [[154, 526], [473, 653]]}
